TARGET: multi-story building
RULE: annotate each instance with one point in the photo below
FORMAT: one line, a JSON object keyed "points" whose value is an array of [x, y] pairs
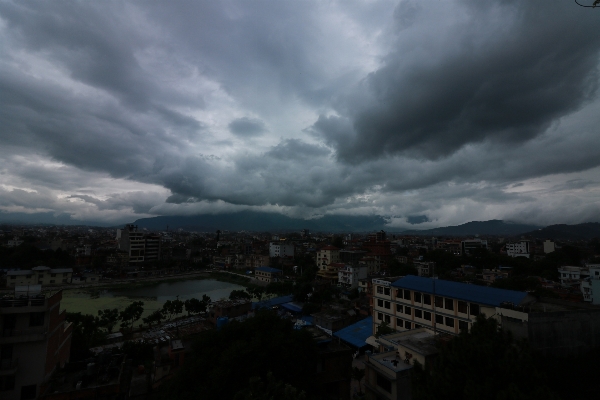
{"points": [[39, 276], [590, 286], [443, 306], [348, 276], [549, 247], [281, 250], [572, 275], [387, 372], [327, 255], [267, 274], [141, 247], [351, 257], [518, 249], [15, 242], [424, 268], [468, 246], [35, 341], [371, 263]]}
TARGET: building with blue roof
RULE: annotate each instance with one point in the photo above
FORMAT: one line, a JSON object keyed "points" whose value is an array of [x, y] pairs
{"points": [[356, 334], [267, 274], [415, 302], [270, 303]]}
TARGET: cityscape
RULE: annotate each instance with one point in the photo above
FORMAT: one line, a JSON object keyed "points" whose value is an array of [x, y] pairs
{"points": [[299, 200]]}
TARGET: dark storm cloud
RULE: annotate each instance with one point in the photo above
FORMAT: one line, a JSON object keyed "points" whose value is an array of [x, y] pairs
{"points": [[247, 127], [434, 106], [496, 80]]}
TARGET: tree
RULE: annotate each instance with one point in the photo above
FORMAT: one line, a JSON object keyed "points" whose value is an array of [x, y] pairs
{"points": [[86, 334], [484, 362], [156, 316], [172, 308], [384, 329], [108, 318], [222, 362], [256, 292], [239, 295], [131, 313], [358, 374]]}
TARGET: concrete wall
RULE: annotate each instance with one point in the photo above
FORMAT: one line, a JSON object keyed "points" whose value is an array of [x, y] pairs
{"points": [[565, 333]]}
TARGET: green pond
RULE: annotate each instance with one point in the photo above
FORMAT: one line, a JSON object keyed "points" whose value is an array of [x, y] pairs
{"points": [[90, 301]]}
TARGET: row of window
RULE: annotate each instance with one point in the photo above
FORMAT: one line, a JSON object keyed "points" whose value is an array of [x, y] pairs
{"points": [[440, 302], [448, 305], [439, 320]]}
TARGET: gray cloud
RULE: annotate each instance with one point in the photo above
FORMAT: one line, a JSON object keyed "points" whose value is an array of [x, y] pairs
{"points": [[442, 112], [486, 79], [247, 127]]}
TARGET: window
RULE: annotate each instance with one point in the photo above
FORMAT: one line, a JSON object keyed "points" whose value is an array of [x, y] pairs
{"points": [[386, 291], [399, 307], [427, 299], [379, 303], [407, 310], [384, 383], [418, 313], [408, 325], [53, 275], [474, 309], [65, 274], [417, 326], [462, 307], [439, 301], [439, 319], [380, 316], [463, 326], [406, 294], [387, 305], [417, 297], [427, 316], [450, 322], [399, 323], [380, 289], [387, 319], [13, 277], [449, 304], [52, 281]]}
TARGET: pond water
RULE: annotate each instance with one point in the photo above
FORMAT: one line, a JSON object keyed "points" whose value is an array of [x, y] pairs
{"points": [[90, 301]]}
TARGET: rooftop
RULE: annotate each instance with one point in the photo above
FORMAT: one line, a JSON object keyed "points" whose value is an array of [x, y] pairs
{"points": [[356, 334], [389, 361], [421, 341], [461, 291]]}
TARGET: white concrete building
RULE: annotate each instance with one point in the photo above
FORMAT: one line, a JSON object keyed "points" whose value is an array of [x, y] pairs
{"points": [[571, 274], [590, 286], [15, 242], [39, 276], [518, 249], [348, 276], [549, 247], [281, 250]]}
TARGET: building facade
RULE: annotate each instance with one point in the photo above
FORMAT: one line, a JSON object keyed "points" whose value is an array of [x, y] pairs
{"points": [[281, 250], [267, 274], [349, 276], [518, 249], [141, 247], [39, 276], [443, 306], [35, 341]]}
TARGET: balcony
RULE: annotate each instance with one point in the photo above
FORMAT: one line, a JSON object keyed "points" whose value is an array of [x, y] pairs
{"points": [[9, 336], [22, 304], [9, 367]]}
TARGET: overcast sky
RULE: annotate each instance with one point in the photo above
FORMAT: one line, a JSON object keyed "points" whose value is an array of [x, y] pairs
{"points": [[430, 112]]}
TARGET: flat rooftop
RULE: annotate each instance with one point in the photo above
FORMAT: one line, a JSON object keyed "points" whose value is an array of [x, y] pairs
{"points": [[421, 341]]}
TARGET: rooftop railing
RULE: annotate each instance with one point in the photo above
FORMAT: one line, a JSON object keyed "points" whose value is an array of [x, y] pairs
{"points": [[22, 301]]}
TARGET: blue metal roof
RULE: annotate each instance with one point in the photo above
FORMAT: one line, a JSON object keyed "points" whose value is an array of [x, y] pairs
{"points": [[275, 301], [356, 334], [461, 291], [293, 307], [269, 269]]}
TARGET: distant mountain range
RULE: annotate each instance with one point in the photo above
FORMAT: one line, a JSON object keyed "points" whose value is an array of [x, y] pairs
{"points": [[492, 227], [586, 231], [264, 222]]}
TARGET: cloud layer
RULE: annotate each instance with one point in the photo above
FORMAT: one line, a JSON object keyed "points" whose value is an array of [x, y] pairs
{"points": [[427, 112]]}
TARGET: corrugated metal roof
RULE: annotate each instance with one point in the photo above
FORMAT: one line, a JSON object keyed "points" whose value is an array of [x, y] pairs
{"points": [[356, 334], [461, 291]]}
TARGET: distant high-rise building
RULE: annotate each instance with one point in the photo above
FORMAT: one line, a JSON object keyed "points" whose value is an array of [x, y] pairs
{"points": [[140, 246]]}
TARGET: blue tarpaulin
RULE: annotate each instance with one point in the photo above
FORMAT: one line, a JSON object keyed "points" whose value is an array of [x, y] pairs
{"points": [[356, 334]]}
